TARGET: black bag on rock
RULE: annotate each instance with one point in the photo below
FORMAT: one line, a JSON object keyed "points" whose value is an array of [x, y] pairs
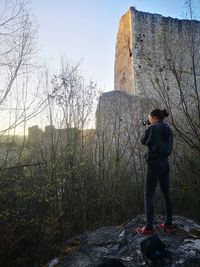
{"points": [[153, 248]]}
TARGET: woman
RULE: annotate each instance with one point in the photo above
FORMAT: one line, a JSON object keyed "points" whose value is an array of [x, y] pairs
{"points": [[159, 139]]}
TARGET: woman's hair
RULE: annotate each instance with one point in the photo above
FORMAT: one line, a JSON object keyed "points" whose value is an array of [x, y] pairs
{"points": [[160, 114]]}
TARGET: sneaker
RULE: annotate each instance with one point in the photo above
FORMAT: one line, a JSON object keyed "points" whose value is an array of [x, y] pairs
{"points": [[144, 231], [168, 228]]}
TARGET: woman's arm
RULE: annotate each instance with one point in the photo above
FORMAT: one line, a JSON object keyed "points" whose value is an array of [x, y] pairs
{"points": [[147, 136]]}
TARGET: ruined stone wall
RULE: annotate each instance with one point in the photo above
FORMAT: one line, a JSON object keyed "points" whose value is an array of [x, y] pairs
{"points": [[119, 126], [153, 54], [35, 134], [123, 63], [143, 54]]}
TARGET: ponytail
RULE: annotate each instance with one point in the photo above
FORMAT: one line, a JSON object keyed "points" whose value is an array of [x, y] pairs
{"points": [[165, 113]]}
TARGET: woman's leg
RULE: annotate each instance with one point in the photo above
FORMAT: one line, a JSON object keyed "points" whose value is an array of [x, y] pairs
{"points": [[150, 186], [165, 188]]}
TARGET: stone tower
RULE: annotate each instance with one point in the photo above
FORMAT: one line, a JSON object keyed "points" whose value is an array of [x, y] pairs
{"points": [[153, 56], [144, 44]]}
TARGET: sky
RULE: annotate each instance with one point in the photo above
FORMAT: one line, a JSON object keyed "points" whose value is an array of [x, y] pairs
{"points": [[86, 30]]}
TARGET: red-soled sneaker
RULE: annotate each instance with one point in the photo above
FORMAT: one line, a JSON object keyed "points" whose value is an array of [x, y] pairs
{"points": [[168, 228], [144, 231]]}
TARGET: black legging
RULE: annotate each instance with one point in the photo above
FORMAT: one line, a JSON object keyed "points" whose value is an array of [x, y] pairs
{"points": [[157, 172]]}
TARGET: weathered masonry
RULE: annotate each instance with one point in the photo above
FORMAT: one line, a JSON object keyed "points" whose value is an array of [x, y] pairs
{"points": [[154, 57], [145, 45]]}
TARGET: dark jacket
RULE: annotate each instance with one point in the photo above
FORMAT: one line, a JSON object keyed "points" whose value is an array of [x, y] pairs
{"points": [[159, 139]]}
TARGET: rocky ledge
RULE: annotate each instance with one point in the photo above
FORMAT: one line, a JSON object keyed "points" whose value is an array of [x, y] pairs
{"points": [[92, 248]]}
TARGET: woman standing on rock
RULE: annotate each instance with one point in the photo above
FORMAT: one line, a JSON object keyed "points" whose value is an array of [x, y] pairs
{"points": [[159, 139]]}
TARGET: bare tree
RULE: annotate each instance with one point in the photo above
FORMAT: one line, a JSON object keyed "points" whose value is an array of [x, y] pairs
{"points": [[17, 43], [174, 76], [172, 73]]}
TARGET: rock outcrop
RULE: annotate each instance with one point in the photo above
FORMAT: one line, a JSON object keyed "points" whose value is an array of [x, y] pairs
{"points": [[92, 248]]}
